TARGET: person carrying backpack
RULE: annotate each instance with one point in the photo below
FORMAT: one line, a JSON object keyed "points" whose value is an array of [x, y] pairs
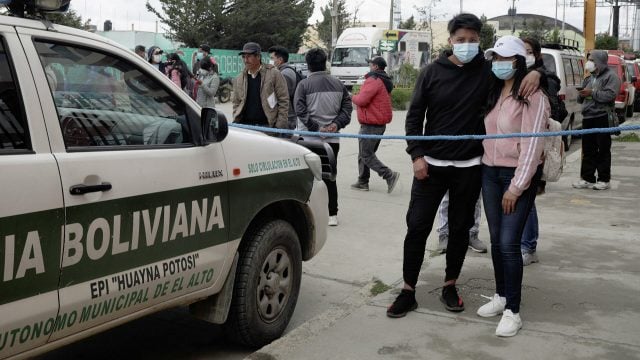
{"points": [[550, 83], [280, 58]]}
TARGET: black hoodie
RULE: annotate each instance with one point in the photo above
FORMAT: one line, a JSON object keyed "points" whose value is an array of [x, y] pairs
{"points": [[386, 80], [452, 98]]}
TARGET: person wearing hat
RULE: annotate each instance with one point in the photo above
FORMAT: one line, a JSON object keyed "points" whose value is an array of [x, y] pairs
{"points": [[449, 98], [203, 51], [154, 56], [511, 170], [260, 95], [374, 113]]}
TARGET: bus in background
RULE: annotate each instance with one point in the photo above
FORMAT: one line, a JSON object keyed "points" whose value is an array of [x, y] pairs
{"points": [[356, 45]]}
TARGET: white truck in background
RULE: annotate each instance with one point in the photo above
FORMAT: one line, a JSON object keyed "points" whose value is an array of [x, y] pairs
{"points": [[356, 45]]}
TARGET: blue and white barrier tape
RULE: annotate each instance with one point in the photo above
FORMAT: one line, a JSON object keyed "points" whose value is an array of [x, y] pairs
{"points": [[437, 137]]}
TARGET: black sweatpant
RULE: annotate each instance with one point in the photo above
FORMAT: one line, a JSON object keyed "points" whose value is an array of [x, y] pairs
{"points": [[463, 185], [332, 188], [596, 151]]}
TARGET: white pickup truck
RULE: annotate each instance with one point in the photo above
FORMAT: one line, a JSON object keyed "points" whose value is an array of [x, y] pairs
{"points": [[121, 197]]}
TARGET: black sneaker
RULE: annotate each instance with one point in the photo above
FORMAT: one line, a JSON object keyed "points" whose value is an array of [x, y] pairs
{"points": [[404, 303], [450, 299]]}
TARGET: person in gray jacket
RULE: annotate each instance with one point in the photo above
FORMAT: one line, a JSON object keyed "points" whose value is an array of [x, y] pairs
{"points": [[207, 82], [280, 58], [323, 104], [598, 99]]}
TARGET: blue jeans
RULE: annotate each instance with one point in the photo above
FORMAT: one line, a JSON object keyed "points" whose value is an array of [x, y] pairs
{"points": [[506, 230], [530, 234]]}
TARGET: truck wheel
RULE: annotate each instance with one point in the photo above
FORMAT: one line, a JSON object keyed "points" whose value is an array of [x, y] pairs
{"points": [[266, 286]]}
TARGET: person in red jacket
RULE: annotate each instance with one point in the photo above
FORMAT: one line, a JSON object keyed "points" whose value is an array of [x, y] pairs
{"points": [[374, 113]]}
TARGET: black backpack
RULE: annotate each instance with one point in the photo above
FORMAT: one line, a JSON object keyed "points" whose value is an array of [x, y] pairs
{"points": [[299, 76]]}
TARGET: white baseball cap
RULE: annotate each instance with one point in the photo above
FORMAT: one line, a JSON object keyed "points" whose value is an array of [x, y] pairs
{"points": [[507, 46]]}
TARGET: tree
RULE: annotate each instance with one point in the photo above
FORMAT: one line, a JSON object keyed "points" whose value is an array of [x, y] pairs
{"points": [[554, 37], [487, 34], [192, 22], [427, 17], [67, 18], [324, 27], [536, 30], [267, 22], [410, 24], [605, 41]]}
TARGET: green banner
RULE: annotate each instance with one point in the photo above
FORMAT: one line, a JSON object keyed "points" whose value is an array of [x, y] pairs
{"points": [[229, 62]]}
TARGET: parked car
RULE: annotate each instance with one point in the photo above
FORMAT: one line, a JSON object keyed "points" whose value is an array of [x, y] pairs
{"points": [[634, 69], [121, 197], [568, 64], [626, 95]]}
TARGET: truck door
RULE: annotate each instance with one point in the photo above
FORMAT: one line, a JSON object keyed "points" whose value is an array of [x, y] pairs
{"points": [[145, 207], [31, 208]]}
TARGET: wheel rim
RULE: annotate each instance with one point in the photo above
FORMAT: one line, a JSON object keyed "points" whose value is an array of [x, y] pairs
{"points": [[275, 284]]}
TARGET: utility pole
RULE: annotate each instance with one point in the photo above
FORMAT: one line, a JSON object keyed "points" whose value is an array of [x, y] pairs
{"points": [[513, 17], [616, 19], [589, 25], [461, 6], [334, 25], [555, 20], [564, 11], [391, 16]]}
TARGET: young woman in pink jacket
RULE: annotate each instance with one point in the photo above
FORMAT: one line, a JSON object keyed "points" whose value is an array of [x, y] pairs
{"points": [[510, 173]]}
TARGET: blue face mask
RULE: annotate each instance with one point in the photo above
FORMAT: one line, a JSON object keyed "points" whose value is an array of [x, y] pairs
{"points": [[503, 69], [465, 52], [199, 55]]}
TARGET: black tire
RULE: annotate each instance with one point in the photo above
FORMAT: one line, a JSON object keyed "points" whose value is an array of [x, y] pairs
{"points": [[621, 117], [224, 94], [266, 286]]}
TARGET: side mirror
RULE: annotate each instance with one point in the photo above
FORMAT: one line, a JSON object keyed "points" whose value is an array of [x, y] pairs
{"points": [[214, 125]]}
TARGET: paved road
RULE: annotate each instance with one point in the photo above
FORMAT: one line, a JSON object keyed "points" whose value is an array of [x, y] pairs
{"points": [[367, 245]]}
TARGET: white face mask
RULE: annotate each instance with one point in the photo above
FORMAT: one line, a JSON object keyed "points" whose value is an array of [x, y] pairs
{"points": [[531, 60], [157, 58], [590, 66], [272, 62]]}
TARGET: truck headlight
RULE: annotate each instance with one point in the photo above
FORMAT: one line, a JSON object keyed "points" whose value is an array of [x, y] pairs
{"points": [[315, 164]]}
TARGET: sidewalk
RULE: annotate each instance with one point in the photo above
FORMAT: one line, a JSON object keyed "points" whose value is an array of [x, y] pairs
{"points": [[582, 301]]}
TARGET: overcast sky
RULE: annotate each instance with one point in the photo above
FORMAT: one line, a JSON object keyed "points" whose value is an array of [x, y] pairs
{"points": [[125, 13]]}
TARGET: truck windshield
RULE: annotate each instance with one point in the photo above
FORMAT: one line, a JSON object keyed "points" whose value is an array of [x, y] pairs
{"points": [[355, 56]]}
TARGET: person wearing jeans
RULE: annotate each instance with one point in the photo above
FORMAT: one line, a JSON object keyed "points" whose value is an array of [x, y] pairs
{"points": [[510, 173]]}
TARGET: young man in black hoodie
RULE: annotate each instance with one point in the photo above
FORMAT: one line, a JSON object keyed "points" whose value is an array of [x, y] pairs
{"points": [[451, 95]]}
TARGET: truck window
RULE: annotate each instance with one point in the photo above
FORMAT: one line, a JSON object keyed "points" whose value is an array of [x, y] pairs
{"points": [[103, 100], [356, 56], [568, 72], [14, 134], [577, 72]]}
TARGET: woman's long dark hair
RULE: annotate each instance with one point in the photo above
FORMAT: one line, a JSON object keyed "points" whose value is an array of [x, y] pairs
{"points": [[498, 84]]}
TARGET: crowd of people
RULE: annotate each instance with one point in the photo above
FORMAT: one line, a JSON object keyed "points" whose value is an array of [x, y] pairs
{"points": [[201, 81], [504, 90]]}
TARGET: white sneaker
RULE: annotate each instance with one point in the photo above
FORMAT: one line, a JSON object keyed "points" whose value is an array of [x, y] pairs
{"points": [[600, 185], [583, 184], [509, 324], [333, 220], [494, 307]]}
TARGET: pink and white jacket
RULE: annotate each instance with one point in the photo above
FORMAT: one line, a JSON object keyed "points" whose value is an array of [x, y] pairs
{"points": [[523, 153]]}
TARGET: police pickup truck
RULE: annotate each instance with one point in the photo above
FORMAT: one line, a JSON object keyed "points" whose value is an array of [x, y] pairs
{"points": [[120, 197]]}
